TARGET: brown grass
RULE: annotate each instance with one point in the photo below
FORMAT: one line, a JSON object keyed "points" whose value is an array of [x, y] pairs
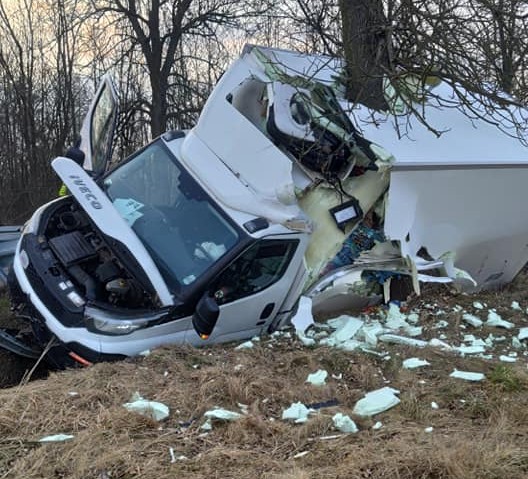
{"points": [[485, 436], [480, 429]]}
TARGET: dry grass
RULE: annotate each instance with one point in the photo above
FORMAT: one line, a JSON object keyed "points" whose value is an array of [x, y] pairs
{"points": [[480, 429], [483, 437]]}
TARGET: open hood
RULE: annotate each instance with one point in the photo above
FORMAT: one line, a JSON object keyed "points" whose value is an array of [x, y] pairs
{"points": [[102, 212]]}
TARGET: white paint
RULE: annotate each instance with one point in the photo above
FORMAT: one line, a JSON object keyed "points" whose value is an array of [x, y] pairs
{"points": [[100, 209]]}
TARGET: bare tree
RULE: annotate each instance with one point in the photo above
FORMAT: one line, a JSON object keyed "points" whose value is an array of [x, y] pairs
{"points": [[158, 29], [477, 46], [39, 98]]}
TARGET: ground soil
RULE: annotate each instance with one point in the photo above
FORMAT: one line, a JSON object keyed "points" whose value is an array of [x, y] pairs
{"points": [[479, 429]]}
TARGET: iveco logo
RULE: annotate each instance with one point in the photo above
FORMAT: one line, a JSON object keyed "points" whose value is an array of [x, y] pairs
{"points": [[87, 192]]}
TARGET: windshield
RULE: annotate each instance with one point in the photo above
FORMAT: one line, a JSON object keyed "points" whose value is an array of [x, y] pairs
{"points": [[172, 215]]}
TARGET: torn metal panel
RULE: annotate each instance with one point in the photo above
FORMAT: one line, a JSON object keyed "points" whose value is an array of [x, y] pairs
{"points": [[327, 238], [457, 209]]}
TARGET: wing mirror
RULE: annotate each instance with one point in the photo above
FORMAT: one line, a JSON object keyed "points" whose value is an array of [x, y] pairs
{"points": [[205, 316]]}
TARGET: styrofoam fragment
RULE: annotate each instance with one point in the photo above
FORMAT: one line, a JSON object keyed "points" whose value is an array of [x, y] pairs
{"points": [[395, 339], [336, 323], [507, 359], [377, 426], [245, 345], [434, 405], [377, 401], [469, 338], [428, 429], [348, 329], [297, 413], [318, 378], [394, 318], [472, 320], [56, 438], [222, 415], [496, 321], [437, 343], [523, 334], [470, 349], [207, 425], [413, 331], [343, 423], [413, 363], [153, 409], [478, 305], [467, 375], [370, 333], [516, 306]]}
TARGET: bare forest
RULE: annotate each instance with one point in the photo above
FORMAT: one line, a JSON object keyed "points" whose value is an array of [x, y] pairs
{"points": [[166, 55]]}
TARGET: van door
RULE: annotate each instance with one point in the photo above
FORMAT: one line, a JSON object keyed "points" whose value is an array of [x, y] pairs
{"points": [[252, 288], [97, 132]]}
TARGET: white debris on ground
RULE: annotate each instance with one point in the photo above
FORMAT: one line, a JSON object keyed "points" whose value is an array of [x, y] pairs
{"points": [[343, 423], [222, 415], [413, 363], [473, 333], [318, 378], [153, 409], [369, 332], [377, 401], [297, 412], [495, 320], [246, 345], [56, 438], [467, 375]]}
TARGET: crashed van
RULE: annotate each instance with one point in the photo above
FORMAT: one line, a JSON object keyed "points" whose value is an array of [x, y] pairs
{"points": [[213, 234]]}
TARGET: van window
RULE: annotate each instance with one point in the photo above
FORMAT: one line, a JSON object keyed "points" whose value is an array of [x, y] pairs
{"points": [[262, 265]]}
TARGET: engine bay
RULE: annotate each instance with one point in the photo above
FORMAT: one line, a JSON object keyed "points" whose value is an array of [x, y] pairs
{"points": [[83, 253]]}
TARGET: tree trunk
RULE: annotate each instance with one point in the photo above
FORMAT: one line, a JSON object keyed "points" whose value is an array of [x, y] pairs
{"points": [[365, 37]]}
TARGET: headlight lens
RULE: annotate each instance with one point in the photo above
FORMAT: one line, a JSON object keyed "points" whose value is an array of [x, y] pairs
{"points": [[115, 324]]}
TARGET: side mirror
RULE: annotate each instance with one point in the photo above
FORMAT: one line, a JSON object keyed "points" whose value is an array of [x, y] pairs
{"points": [[205, 316]]}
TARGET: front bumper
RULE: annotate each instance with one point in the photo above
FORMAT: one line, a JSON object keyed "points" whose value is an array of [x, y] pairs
{"points": [[29, 306]]}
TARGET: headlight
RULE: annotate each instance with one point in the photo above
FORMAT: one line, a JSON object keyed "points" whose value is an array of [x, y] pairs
{"points": [[117, 324]]}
